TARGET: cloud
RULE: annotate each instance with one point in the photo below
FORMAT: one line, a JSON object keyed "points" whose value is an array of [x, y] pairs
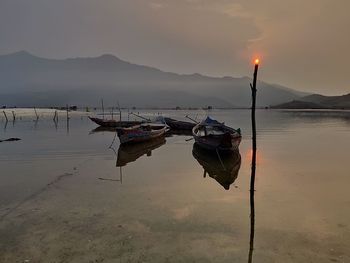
{"points": [[156, 6]]}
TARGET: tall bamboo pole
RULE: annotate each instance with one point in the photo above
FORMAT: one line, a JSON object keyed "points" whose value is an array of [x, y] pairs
{"points": [[253, 168], [254, 90]]}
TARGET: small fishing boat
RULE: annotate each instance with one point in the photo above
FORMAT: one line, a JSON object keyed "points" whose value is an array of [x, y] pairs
{"points": [[177, 125], [223, 168], [114, 123], [213, 135], [142, 132]]}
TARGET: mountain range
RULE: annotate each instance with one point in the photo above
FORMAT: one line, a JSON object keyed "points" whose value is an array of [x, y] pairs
{"points": [[27, 80], [316, 101]]}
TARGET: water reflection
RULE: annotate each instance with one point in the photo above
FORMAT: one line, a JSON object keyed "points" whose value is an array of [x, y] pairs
{"points": [[318, 115], [252, 227], [160, 215], [103, 129], [223, 168], [179, 133], [168, 134], [131, 152]]}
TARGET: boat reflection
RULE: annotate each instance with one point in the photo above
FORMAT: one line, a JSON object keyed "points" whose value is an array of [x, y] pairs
{"points": [[103, 129], [223, 168], [131, 152], [170, 133], [178, 133]]}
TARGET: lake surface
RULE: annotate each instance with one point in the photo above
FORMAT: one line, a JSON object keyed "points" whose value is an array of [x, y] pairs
{"points": [[63, 197]]}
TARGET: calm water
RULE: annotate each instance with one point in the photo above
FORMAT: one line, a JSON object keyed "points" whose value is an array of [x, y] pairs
{"points": [[64, 198]]}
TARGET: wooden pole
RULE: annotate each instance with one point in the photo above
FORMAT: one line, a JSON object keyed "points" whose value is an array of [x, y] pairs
{"points": [[67, 112], [55, 116], [36, 114], [121, 174], [120, 112], [14, 116], [103, 109], [254, 90], [141, 117], [112, 112], [252, 227], [67, 119], [188, 117], [253, 168], [5, 116]]}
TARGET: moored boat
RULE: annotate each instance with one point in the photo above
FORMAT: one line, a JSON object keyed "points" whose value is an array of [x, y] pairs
{"points": [[177, 125], [114, 123], [213, 135], [142, 132]]}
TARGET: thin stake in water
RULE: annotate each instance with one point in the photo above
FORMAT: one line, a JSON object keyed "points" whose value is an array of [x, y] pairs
{"points": [[253, 168]]}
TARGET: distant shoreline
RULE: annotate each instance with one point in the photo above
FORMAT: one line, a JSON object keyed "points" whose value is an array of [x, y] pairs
{"points": [[108, 109]]}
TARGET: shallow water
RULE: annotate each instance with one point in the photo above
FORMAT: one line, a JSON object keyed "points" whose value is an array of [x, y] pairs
{"points": [[63, 198]]}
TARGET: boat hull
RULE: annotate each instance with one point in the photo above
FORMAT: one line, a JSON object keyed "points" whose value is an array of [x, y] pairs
{"points": [[216, 136], [114, 123], [179, 125], [137, 135], [213, 143]]}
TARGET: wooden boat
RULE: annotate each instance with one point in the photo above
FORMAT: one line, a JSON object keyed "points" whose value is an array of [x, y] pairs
{"points": [[223, 168], [114, 123], [213, 135], [142, 132], [179, 125], [131, 152]]}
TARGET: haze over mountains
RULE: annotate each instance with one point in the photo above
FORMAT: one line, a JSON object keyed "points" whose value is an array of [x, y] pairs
{"points": [[27, 80]]}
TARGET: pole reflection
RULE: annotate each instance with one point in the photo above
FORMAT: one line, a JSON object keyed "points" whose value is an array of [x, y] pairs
{"points": [[252, 215]]}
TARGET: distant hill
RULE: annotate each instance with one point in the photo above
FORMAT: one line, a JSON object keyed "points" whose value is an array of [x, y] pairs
{"points": [[330, 101], [316, 101], [28, 80]]}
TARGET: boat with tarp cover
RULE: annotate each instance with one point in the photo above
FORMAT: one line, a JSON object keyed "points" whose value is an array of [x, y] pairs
{"points": [[213, 135]]}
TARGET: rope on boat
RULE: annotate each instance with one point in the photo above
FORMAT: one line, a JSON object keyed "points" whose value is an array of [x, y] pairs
{"points": [[217, 152]]}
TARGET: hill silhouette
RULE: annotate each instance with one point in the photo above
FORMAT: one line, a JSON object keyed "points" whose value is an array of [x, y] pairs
{"points": [[28, 80]]}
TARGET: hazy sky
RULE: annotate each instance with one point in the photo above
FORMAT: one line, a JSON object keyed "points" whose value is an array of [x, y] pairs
{"points": [[303, 43]]}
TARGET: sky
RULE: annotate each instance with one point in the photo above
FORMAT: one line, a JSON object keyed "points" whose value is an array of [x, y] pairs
{"points": [[303, 44]]}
